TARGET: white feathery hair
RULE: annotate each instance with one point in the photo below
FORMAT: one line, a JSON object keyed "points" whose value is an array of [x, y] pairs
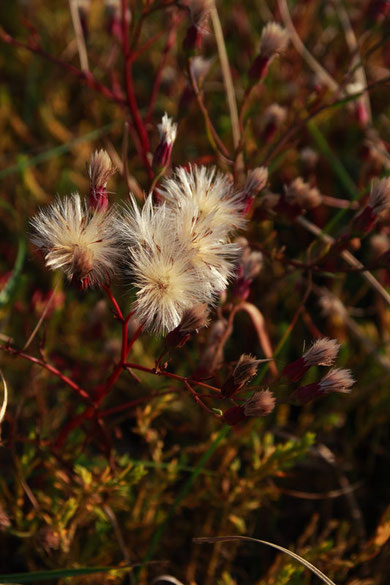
{"points": [[160, 265], [78, 240], [212, 257], [212, 192], [149, 226], [166, 285]]}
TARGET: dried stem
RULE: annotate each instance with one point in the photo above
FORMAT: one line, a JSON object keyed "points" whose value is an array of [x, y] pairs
{"points": [[78, 31]]}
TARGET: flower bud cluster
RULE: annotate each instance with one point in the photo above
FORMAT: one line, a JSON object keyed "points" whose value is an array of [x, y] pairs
{"points": [[322, 352]]}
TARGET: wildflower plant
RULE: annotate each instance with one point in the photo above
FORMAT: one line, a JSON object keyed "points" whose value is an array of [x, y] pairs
{"points": [[224, 287]]}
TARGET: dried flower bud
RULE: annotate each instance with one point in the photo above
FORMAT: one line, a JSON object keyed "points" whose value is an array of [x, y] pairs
{"points": [[260, 403], [336, 380], [245, 369], [322, 352], [168, 130], [309, 157], [193, 319], [100, 171], [251, 265], [274, 41], [378, 202], [274, 116], [300, 194], [331, 305], [209, 360], [255, 182], [199, 13]]}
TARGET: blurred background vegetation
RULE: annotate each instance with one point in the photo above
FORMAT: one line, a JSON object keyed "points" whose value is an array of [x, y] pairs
{"points": [[313, 479]]}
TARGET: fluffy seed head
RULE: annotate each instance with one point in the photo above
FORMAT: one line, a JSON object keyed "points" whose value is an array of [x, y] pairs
{"points": [[166, 286], [322, 352], [274, 40], [211, 256], [337, 380], [300, 193], [212, 193], [80, 241], [259, 404]]}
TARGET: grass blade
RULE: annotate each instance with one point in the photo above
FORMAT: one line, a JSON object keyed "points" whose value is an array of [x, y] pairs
{"points": [[293, 555]]}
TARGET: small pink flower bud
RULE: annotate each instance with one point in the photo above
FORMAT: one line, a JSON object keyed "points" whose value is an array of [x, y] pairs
{"points": [[100, 170], [322, 352], [210, 360], [168, 130], [336, 380], [245, 369]]}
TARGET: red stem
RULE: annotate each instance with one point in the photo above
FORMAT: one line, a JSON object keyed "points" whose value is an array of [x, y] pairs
{"points": [[132, 102], [169, 375], [157, 80], [82, 393], [115, 303]]}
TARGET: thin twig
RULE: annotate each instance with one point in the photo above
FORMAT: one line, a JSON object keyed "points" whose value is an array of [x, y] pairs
{"points": [[347, 256], [40, 321], [300, 47], [218, 144], [78, 31], [82, 393], [227, 76], [353, 46]]}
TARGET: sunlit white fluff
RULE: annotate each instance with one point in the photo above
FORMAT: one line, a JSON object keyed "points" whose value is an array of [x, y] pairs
{"points": [[79, 241], [166, 285], [212, 192], [210, 255], [147, 226]]}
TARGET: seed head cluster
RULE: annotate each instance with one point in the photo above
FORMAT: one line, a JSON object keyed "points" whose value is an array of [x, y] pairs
{"points": [[79, 240], [179, 252]]}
